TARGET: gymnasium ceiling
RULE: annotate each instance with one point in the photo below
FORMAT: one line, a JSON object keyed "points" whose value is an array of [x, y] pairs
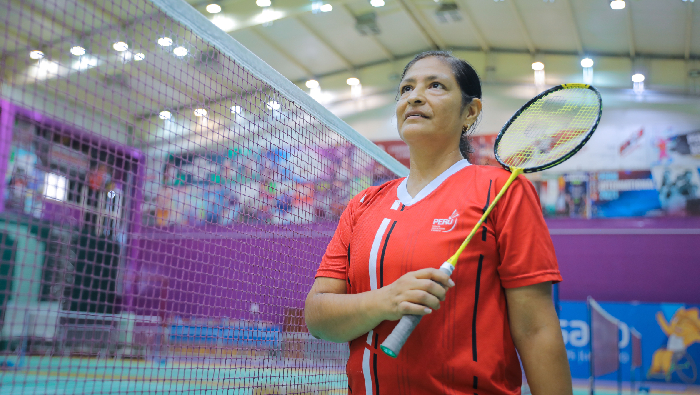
{"points": [[659, 38]]}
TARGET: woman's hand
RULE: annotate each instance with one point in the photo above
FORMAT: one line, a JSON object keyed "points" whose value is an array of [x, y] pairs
{"points": [[415, 293]]}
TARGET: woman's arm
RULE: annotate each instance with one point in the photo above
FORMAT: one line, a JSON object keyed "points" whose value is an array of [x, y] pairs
{"points": [[333, 315], [535, 328]]}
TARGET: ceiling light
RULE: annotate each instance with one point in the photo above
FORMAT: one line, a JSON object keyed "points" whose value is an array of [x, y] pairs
{"points": [[165, 115], [77, 50], [120, 46], [200, 112], [180, 51], [273, 105], [326, 8], [263, 3], [311, 84], [586, 62], [165, 41], [36, 55], [377, 3], [139, 57], [538, 66], [617, 4], [213, 8], [638, 78], [352, 81], [223, 22], [236, 110]]}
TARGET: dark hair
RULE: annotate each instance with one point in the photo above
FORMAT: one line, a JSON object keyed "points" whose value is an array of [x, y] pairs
{"points": [[468, 81]]}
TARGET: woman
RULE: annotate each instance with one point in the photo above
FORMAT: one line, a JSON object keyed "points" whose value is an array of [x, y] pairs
{"points": [[382, 261]]}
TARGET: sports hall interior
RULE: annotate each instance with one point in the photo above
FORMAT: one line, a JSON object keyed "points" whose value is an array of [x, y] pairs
{"points": [[175, 168]]}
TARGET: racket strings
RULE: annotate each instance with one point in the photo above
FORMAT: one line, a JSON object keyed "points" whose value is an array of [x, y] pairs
{"points": [[549, 128]]}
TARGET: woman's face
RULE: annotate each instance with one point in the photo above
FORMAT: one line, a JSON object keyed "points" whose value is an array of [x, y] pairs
{"points": [[430, 103]]}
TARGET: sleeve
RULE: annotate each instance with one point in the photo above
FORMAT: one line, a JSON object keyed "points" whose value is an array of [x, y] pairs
{"points": [[523, 241], [335, 262]]}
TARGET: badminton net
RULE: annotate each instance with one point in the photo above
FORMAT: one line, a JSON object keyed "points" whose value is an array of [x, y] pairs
{"points": [[605, 342], [167, 199]]}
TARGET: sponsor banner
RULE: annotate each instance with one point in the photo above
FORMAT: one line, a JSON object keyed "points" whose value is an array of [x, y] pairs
{"points": [[678, 189], [670, 340], [624, 194]]}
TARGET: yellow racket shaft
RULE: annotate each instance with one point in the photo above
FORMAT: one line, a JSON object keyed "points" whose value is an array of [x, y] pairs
{"points": [[516, 171]]}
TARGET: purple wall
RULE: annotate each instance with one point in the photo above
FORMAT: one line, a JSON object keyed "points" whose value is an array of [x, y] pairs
{"points": [[220, 272], [626, 259]]}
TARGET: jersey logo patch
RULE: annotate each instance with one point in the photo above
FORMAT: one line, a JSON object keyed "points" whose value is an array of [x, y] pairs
{"points": [[445, 224]]}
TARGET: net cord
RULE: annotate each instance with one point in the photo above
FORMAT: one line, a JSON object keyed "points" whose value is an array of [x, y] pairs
{"points": [[185, 14]]}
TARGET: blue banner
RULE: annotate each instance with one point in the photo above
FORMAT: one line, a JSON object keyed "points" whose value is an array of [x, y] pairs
{"points": [[670, 340]]}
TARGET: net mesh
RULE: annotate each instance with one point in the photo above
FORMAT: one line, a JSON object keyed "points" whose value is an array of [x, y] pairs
{"points": [[163, 210], [549, 128], [604, 339]]}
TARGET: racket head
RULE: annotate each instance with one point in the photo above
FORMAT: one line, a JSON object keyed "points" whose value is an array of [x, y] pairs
{"points": [[550, 128]]}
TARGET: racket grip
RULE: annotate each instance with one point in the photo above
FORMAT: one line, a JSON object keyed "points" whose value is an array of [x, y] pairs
{"points": [[395, 341]]}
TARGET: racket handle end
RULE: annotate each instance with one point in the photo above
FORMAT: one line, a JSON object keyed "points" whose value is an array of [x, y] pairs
{"points": [[388, 351]]}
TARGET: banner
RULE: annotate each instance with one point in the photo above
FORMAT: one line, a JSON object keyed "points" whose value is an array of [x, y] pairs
{"points": [[670, 340], [624, 194]]}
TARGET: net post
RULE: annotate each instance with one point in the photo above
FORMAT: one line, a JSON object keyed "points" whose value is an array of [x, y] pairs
{"points": [[619, 363], [591, 377]]}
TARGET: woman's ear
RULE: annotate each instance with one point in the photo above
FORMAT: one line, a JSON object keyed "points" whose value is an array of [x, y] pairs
{"points": [[472, 112]]}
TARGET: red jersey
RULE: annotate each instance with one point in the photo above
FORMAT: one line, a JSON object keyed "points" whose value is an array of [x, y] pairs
{"points": [[465, 347]]}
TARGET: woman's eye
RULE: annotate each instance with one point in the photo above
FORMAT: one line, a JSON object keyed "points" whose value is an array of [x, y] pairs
{"points": [[435, 85], [405, 88]]}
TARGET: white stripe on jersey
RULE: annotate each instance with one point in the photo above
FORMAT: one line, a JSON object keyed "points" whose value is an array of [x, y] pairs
{"points": [[366, 372], [369, 336], [373, 253], [396, 205]]}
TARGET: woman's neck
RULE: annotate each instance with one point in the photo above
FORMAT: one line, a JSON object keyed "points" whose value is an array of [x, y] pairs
{"points": [[427, 166]]}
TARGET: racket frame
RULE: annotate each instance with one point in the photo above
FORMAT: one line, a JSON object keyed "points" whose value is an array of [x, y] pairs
{"points": [[527, 105]]}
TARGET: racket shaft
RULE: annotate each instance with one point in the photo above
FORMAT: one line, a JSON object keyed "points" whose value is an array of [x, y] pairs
{"points": [[393, 344]]}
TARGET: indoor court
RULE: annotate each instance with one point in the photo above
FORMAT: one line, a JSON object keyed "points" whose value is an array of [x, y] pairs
{"points": [[175, 170]]}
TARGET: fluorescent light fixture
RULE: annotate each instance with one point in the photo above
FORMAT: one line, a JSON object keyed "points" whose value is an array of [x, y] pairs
{"points": [[85, 63], [326, 8], [236, 110], [127, 56], [223, 22], [537, 66], [273, 105], [377, 3], [638, 78], [120, 46], [165, 41], [587, 62], [165, 115], [311, 84], [77, 50], [200, 112], [263, 3], [352, 81], [213, 8], [356, 91], [180, 51], [55, 186], [139, 56], [268, 15], [617, 4], [36, 55]]}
